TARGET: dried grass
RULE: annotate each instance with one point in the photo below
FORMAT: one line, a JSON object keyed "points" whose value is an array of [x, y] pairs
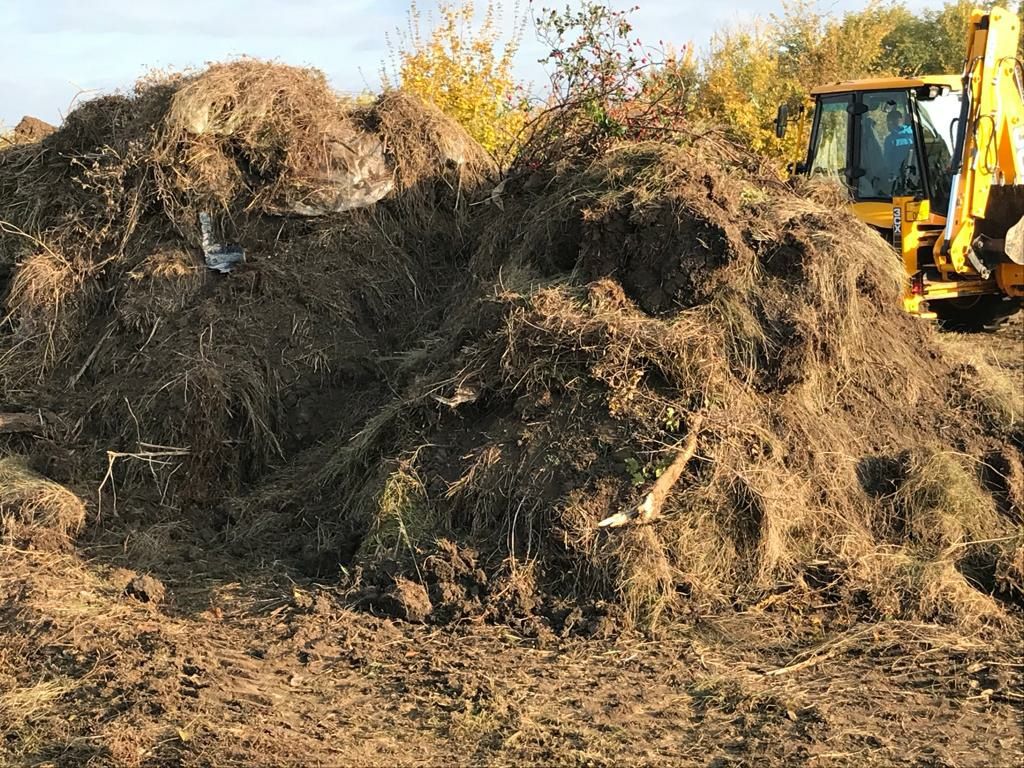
{"points": [[400, 515], [115, 317], [160, 286], [217, 415], [19, 705], [420, 140], [48, 297], [36, 512], [983, 385], [548, 348], [246, 120]]}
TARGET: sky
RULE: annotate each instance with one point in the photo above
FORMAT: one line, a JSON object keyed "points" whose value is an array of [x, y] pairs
{"points": [[57, 52]]}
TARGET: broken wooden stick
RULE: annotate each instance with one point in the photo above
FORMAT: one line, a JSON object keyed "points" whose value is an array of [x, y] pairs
{"points": [[13, 423], [92, 356], [651, 506]]}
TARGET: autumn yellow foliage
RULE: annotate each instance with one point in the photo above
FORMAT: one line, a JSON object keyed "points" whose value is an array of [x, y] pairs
{"points": [[741, 85], [461, 63], [749, 71], [459, 58]]}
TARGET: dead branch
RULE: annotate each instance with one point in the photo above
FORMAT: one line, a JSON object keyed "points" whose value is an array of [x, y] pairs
{"points": [[14, 423], [651, 506], [162, 456], [92, 356]]}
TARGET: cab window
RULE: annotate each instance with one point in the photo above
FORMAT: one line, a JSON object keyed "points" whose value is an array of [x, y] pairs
{"points": [[939, 118], [887, 164], [832, 137]]}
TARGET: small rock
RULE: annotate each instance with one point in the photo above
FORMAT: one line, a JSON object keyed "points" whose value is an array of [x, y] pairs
{"points": [[32, 129], [146, 589]]}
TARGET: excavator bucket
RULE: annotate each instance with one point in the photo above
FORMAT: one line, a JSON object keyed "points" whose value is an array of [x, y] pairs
{"points": [[1003, 225]]}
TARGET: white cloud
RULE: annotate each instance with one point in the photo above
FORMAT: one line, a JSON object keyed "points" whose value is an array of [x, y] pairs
{"points": [[227, 18]]}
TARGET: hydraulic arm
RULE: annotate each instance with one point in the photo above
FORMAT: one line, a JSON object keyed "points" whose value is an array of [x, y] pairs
{"points": [[983, 231]]}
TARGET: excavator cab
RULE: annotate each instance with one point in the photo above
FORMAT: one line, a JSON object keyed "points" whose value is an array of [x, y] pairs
{"points": [[896, 141], [936, 164]]}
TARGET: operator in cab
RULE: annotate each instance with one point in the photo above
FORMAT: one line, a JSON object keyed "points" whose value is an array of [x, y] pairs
{"points": [[898, 144]]}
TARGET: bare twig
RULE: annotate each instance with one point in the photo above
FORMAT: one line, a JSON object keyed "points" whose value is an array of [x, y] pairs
{"points": [[11, 229], [160, 457], [92, 356]]}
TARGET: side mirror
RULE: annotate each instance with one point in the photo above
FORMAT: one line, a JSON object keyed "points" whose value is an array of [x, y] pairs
{"points": [[781, 121], [930, 92]]}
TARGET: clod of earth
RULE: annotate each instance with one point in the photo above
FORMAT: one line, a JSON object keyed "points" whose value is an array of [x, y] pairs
{"points": [[410, 600], [31, 129], [146, 589]]}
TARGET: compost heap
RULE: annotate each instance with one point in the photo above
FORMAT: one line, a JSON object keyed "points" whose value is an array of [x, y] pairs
{"points": [[664, 384], [120, 334]]}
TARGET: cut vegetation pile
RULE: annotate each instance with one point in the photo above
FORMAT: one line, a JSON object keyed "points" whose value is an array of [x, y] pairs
{"points": [[664, 384], [194, 379], [36, 512], [684, 387]]}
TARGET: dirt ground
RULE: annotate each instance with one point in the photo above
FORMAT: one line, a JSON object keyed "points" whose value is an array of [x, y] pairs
{"points": [[402, 488], [230, 658]]}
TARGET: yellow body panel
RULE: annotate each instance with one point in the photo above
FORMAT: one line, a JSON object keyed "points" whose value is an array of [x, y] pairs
{"points": [[952, 82], [1010, 279], [878, 213], [994, 144]]}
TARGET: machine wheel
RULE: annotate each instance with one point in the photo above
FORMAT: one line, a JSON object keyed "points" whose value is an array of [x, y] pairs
{"points": [[974, 314]]}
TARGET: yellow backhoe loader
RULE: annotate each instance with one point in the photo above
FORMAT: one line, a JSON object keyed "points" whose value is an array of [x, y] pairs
{"points": [[936, 164]]}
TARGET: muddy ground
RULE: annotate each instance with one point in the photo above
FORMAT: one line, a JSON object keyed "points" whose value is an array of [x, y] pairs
{"points": [[228, 657]]}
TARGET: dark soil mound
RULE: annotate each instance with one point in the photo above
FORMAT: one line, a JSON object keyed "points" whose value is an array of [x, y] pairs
{"points": [[684, 386], [198, 380], [664, 384]]}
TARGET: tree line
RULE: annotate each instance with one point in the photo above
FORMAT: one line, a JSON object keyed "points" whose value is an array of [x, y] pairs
{"points": [[603, 83]]}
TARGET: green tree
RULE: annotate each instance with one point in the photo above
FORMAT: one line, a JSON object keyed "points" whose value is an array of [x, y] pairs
{"points": [[932, 42]]}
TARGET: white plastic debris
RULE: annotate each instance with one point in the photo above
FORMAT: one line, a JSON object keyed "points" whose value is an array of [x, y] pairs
{"points": [[220, 258], [354, 173]]}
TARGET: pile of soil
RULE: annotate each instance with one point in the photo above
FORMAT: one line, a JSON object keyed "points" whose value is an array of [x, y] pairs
{"points": [[661, 384], [683, 387], [31, 129], [178, 379]]}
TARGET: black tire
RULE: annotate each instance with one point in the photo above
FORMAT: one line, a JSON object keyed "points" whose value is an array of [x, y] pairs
{"points": [[974, 314]]}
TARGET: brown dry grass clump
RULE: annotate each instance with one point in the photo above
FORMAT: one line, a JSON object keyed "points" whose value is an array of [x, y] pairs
{"points": [[162, 285], [255, 136], [49, 297], [279, 120], [421, 140], [35, 512]]}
